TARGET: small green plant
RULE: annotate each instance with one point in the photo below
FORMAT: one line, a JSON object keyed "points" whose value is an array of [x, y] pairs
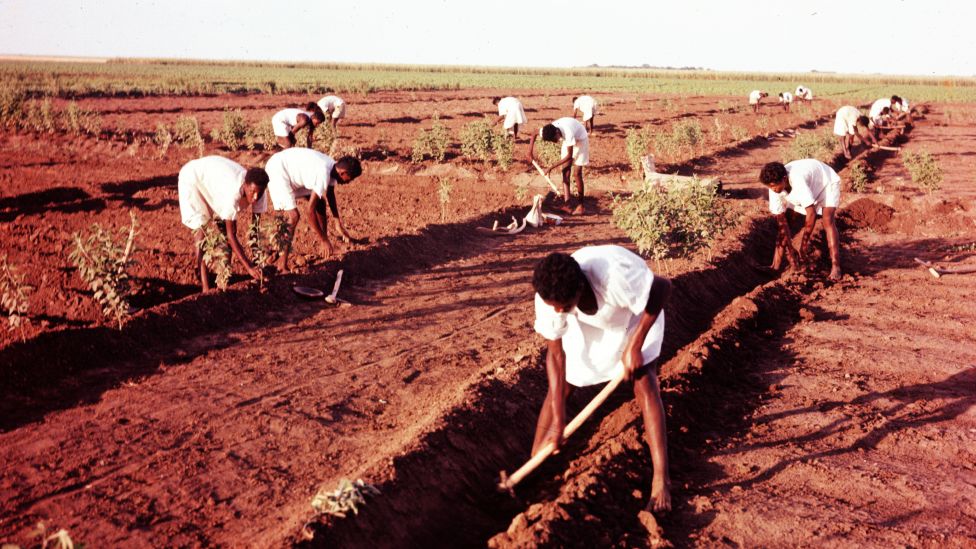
{"points": [[162, 138], [232, 132], [40, 117], [762, 124], [923, 169], [432, 142], [677, 219], [638, 140], [257, 243], [718, 136], [819, 145], [186, 132], [521, 190], [738, 133], [104, 265], [217, 255], [687, 133], [348, 497], [730, 107], [14, 296], [277, 233], [858, 176], [444, 189]]}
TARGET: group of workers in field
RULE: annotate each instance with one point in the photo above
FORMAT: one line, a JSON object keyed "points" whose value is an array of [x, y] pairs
{"points": [[601, 308]]}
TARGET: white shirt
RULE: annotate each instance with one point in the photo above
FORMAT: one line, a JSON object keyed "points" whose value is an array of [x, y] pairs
{"points": [[330, 102], [786, 97], [805, 93], [572, 130], [220, 181], [585, 104], [846, 117], [754, 97], [809, 179], [507, 105], [621, 281], [290, 116], [301, 169], [877, 106]]}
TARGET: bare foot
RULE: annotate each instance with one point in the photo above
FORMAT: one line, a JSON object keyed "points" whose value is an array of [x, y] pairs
{"points": [[660, 496], [579, 210], [835, 274]]}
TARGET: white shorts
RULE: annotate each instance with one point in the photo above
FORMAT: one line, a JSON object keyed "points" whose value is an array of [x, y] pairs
{"points": [[831, 199], [194, 209], [587, 114], [513, 117], [281, 126], [339, 112], [581, 153]]}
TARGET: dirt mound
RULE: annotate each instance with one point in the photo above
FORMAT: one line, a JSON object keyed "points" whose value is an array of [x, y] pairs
{"points": [[865, 213]]}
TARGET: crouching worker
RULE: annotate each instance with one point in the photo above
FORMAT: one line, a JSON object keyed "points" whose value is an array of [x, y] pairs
{"points": [[575, 154], [811, 188], [849, 122], [214, 186], [297, 173], [601, 312]]}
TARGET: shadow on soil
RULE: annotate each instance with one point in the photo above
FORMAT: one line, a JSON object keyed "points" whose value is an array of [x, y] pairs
{"points": [[64, 368], [443, 494]]}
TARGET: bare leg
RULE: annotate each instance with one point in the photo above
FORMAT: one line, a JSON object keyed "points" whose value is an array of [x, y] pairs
{"points": [[545, 419], [566, 189], [515, 132], [647, 392], [833, 241], [578, 173], [293, 216], [845, 145], [200, 267]]}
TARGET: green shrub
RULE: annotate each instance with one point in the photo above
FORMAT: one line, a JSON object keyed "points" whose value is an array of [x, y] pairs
{"points": [[232, 132], [444, 189], [819, 145], [81, 121], [738, 133], [858, 176], [923, 169], [103, 264], [322, 139], [504, 151], [40, 117], [432, 142], [261, 137], [674, 220], [477, 140], [186, 132], [638, 140]]}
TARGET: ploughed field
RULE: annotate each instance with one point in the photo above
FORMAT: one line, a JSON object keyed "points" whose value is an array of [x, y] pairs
{"points": [[843, 411]]}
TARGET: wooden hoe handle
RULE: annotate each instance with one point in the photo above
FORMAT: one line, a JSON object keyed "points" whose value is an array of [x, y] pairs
{"points": [[543, 174], [508, 482]]}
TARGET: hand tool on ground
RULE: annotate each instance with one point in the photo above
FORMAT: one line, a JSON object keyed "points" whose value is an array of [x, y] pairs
{"points": [[331, 298], [508, 482], [937, 272]]}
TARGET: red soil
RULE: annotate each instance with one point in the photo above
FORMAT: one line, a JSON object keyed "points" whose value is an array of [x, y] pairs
{"points": [[213, 419]]}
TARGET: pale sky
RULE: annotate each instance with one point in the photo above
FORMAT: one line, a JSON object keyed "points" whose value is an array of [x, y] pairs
{"points": [[923, 37]]}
